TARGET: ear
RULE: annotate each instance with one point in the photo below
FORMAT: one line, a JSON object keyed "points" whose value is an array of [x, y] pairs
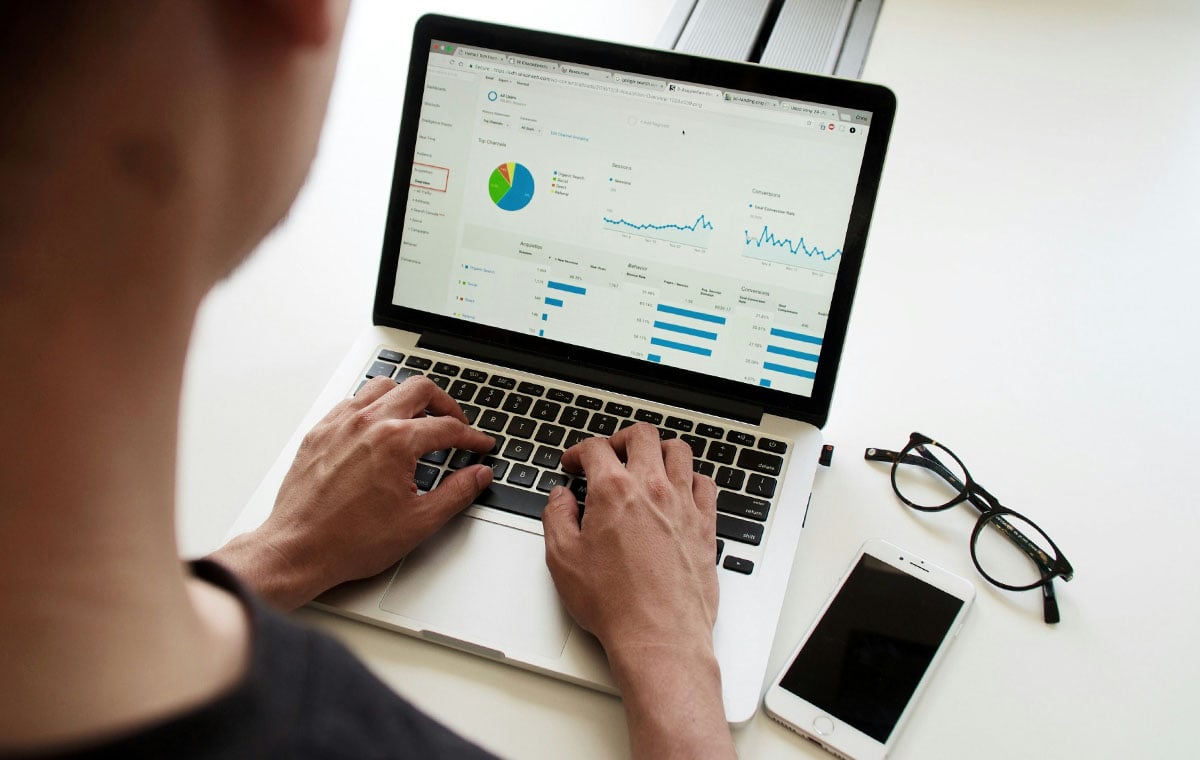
{"points": [[304, 22]]}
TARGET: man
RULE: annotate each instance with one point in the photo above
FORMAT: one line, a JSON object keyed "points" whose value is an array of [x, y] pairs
{"points": [[145, 149]]}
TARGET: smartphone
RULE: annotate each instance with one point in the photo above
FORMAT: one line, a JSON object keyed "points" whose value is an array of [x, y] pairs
{"points": [[859, 669]]}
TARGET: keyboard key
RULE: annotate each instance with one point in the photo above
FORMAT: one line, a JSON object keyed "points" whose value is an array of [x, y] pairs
{"points": [[603, 424], [721, 452], [381, 369], [695, 442], [645, 415], [589, 402], [395, 357], [533, 389], [761, 485], [679, 423], [546, 411], [519, 451], [500, 381], [493, 420], [516, 403], [728, 477], [418, 362], [704, 468], [425, 476], [626, 423], [561, 396], [462, 458], [739, 530], [738, 565], [440, 381], [470, 412], [499, 467], [548, 457], [404, 373], [773, 446], [579, 488], [522, 475], [474, 375], [574, 417], [495, 450], [576, 436], [462, 390], [709, 431], [742, 505], [522, 427], [442, 368], [490, 397], [436, 457], [720, 548], [620, 410], [759, 461], [740, 438], [515, 500], [551, 480], [550, 434], [666, 435]]}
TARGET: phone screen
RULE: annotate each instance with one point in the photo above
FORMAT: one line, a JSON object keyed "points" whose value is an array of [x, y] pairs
{"points": [[866, 656]]}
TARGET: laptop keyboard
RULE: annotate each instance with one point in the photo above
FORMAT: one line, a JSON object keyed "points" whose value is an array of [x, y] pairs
{"points": [[533, 424]]}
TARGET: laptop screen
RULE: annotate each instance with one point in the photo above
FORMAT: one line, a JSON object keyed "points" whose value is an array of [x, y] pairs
{"points": [[672, 222]]}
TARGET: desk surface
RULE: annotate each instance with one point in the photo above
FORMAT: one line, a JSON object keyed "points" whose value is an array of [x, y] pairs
{"points": [[1027, 296]]}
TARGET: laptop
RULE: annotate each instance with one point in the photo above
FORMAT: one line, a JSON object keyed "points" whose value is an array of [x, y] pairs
{"points": [[582, 236]]}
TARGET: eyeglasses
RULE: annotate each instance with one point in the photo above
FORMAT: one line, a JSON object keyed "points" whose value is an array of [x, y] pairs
{"points": [[1008, 549]]}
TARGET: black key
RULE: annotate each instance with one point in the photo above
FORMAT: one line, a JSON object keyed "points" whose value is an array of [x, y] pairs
{"points": [[589, 402], [721, 452], [602, 424], [574, 437], [381, 369], [436, 457], [759, 461], [522, 475], [551, 480], [773, 446], [495, 450], [573, 416], [462, 458], [626, 423], [710, 431], [474, 375], [491, 397], [533, 389], [727, 477], [446, 369], [515, 500], [761, 485], [740, 438], [666, 435], [704, 468], [561, 396], [462, 390], [738, 565], [679, 423], [516, 403], [579, 488], [395, 357], [418, 362], [548, 457], [695, 442], [546, 411], [425, 476], [742, 505], [493, 420], [440, 381], [471, 412], [519, 450], [499, 467], [739, 530], [522, 427], [645, 415], [404, 373], [620, 410], [551, 434], [720, 548], [500, 381], [359, 388]]}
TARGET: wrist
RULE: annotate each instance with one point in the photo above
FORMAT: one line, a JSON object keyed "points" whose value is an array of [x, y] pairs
{"points": [[267, 569]]}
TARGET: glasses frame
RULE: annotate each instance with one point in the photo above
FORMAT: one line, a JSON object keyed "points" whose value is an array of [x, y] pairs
{"points": [[991, 512]]}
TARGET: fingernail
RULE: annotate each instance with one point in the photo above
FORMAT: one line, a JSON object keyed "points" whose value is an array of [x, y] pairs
{"points": [[557, 492], [483, 476]]}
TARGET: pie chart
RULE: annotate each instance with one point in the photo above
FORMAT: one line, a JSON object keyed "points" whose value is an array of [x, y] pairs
{"points": [[511, 186]]}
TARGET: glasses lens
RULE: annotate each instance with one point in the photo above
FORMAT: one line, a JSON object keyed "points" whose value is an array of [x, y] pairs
{"points": [[929, 476], [1012, 551]]}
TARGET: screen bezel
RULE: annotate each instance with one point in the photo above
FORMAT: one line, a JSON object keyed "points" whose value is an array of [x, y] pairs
{"points": [[663, 64]]}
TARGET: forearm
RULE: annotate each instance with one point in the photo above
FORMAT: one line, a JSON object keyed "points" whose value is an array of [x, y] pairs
{"points": [[673, 702], [266, 570]]}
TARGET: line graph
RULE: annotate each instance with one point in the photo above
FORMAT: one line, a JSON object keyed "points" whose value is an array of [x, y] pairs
{"points": [[694, 234], [768, 246]]}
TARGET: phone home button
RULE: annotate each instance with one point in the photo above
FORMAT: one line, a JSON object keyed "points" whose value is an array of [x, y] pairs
{"points": [[823, 725]]}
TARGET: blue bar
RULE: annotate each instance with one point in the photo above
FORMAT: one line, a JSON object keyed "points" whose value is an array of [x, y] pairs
{"points": [[681, 346], [552, 301], [764, 382], [788, 370], [685, 330], [776, 332], [791, 353], [654, 357], [566, 288], [544, 316], [541, 333], [692, 314]]}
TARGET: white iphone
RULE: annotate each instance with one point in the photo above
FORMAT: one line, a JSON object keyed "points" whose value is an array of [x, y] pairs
{"points": [[856, 674]]}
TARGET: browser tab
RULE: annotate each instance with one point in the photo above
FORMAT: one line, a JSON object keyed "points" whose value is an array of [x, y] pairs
{"points": [[751, 100], [809, 109], [533, 63], [480, 55], [680, 88], [647, 82], [584, 71]]}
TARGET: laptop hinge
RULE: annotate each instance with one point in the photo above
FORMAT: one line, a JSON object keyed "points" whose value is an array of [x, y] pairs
{"points": [[577, 372]]}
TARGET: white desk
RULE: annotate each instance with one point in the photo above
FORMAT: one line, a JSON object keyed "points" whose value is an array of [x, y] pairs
{"points": [[1028, 297]]}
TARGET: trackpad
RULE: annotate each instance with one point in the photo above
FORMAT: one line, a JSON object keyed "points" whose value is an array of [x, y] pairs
{"points": [[486, 584]]}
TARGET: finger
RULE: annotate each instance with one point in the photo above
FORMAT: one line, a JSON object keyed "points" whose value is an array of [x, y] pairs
{"points": [[560, 524], [455, 493], [677, 459], [640, 447], [420, 436], [593, 455], [415, 396], [371, 392], [704, 493]]}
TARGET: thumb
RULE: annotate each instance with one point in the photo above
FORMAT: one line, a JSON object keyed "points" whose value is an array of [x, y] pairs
{"points": [[456, 492], [560, 522]]}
